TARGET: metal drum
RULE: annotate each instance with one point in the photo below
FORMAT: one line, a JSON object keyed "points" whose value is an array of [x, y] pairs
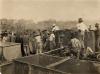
{"points": [[10, 51]]}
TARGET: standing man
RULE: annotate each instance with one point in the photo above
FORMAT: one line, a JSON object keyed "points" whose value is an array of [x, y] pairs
{"points": [[26, 43], [38, 40], [82, 28], [55, 30], [52, 40], [97, 34]]}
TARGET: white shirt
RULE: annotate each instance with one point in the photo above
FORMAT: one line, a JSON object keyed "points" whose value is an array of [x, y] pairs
{"points": [[38, 38], [55, 28], [76, 43], [82, 27], [5, 39], [92, 27], [52, 37]]}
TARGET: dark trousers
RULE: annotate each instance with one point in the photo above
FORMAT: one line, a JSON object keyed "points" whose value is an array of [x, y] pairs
{"points": [[98, 43]]}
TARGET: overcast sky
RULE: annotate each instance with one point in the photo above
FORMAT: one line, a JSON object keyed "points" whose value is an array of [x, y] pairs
{"points": [[50, 9]]}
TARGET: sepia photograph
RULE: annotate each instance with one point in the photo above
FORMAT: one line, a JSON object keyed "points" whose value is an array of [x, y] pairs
{"points": [[49, 36]]}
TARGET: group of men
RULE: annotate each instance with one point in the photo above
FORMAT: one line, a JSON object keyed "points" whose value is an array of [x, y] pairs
{"points": [[79, 43], [35, 42], [42, 41], [45, 40]]}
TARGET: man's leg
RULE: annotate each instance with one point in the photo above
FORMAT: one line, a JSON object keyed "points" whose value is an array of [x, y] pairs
{"points": [[25, 50], [98, 44], [40, 48], [78, 54]]}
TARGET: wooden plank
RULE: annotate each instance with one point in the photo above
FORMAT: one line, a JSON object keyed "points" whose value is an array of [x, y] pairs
{"points": [[52, 50]]}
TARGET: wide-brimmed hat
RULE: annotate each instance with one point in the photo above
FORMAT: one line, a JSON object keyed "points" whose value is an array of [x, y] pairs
{"points": [[54, 25]]}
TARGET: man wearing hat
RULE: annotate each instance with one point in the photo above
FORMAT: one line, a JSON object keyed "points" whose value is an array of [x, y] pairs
{"points": [[55, 28], [82, 28], [38, 40]]}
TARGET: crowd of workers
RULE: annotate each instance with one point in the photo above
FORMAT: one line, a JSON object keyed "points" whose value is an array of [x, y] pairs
{"points": [[32, 43], [42, 41]]}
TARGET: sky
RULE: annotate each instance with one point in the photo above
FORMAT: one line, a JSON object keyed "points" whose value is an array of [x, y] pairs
{"points": [[39, 10]]}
